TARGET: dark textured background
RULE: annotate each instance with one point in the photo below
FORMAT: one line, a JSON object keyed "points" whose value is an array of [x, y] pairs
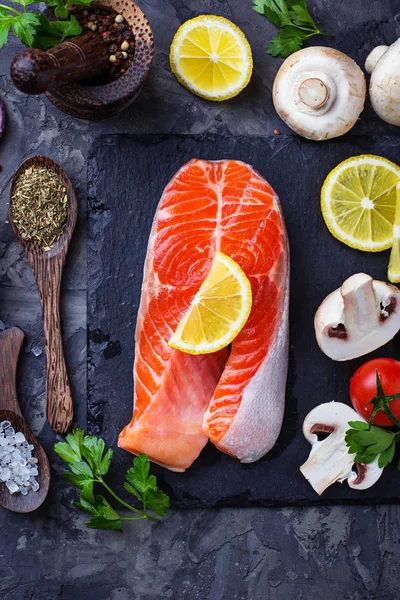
{"points": [[224, 554]]}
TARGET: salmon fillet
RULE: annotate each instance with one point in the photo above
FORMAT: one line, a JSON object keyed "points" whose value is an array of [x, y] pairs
{"points": [[234, 398]]}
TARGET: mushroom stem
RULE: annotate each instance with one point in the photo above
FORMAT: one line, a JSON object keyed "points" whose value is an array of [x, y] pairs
{"points": [[313, 92], [361, 306], [373, 57]]}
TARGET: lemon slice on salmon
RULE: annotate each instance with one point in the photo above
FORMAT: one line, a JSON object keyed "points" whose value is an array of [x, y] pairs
{"points": [[211, 57], [394, 263], [358, 201], [218, 312]]}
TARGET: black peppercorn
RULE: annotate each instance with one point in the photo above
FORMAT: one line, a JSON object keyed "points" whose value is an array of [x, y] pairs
{"points": [[113, 48], [113, 37], [127, 34], [119, 56]]}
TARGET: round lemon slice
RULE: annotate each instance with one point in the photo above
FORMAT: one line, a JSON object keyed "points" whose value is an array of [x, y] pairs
{"points": [[358, 201], [211, 57], [218, 311], [394, 263]]}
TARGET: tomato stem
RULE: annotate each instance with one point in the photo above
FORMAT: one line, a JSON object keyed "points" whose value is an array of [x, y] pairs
{"points": [[381, 403]]}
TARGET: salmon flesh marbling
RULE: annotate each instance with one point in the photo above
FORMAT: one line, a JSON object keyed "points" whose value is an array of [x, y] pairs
{"points": [[234, 397]]}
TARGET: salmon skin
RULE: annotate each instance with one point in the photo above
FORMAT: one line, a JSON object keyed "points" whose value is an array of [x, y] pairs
{"points": [[233, 397]]}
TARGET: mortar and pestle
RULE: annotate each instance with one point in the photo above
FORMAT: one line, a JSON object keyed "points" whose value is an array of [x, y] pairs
{"points": [[62, 71]]}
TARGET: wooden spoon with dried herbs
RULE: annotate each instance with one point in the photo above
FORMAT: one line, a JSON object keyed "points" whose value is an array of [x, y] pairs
{"points": [[43, 212]]}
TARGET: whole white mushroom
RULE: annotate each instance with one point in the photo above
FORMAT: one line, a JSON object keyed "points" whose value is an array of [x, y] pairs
{"points": [[384, 89], [319, 92]]}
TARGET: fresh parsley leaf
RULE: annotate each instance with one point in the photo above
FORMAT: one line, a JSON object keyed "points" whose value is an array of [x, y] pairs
{"points": [[276, 11], [47, 36], [302, 18], [294, 21], [367, 443], [79, 2], [360, 425], [144, 487], [292, 3], [105, 524], [103, 514], [138, 475], [25, 3], [24, 26], [60, 10], [92, 450], [387, 455], [68, 28], [71, 450], [83, 478], [51, 33], [286, 41], [5, 24]]}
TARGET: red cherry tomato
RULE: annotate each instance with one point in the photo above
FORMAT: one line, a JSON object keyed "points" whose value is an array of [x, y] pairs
{"points": [[363, 388]]}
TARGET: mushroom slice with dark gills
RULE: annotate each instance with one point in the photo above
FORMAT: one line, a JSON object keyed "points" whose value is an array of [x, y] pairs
{"points": [[357, 318], [329, 459]]}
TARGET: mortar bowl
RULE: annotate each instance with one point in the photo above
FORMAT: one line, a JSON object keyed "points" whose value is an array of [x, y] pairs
{"points": [[95, 102]]}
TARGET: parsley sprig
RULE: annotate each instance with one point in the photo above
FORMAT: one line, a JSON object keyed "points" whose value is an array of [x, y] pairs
{"points": [[367, 441], [294, 21], [88, 462], [36, 30]]}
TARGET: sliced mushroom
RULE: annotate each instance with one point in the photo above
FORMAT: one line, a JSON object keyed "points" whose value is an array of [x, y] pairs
{"points": [[384, 89], [319, 92], [329, 459], [358, 318]]}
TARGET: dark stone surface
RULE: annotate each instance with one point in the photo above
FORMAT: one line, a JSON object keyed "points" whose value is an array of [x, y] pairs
{"points": [[209, 554], [319, 264]]}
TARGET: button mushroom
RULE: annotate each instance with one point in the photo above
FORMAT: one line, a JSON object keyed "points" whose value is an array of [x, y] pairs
{"points": [[329, 459], [358, 318], [319, 92], [384, 88]]}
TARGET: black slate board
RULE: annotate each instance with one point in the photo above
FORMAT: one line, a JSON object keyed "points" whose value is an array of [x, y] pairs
{"points": [[126, 177]]}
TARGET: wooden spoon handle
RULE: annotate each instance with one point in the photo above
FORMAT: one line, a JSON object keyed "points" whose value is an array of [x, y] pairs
{"points": [[10, 347], [58, 393]]}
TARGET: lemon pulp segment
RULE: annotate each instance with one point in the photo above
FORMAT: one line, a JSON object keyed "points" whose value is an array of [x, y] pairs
{"points": [[358, 202], [218, 312]]}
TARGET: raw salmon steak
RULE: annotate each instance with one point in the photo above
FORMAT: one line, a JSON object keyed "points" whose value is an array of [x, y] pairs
{"points": [[234, 397]]}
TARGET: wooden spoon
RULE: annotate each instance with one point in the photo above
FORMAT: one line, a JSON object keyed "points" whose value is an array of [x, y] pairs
{"points": [[47, 268], [10, 346]]}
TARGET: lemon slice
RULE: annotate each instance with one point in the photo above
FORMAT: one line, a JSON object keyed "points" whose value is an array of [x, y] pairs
{"points": [[211, 57], [218, 311], [394, 263], [358, 201]]}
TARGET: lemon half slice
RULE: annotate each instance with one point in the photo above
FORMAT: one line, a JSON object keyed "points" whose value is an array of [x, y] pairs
{"points": [[218, 312], [211, 57], [358, 201], [394, 263]]}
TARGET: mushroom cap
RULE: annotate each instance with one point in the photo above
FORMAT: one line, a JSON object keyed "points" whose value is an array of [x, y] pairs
{"points": [[325, 111], [358, 307], [384, 88]]}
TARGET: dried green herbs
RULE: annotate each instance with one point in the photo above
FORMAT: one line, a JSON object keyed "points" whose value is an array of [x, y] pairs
{"points": [[39, 206]]}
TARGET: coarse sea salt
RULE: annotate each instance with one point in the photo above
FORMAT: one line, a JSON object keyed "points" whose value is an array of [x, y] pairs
{"points": [[18, 468]]}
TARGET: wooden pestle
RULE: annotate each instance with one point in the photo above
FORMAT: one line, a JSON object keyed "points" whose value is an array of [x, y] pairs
{"points": [[34, 71]]}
